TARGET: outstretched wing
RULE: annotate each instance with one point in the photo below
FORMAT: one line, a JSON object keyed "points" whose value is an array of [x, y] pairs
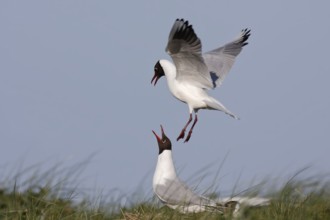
{"points": [[220, 60], [185, 48]]}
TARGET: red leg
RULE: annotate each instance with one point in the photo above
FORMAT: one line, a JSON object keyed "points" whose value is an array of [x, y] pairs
{"points": [[184, 129], [191, 129]]}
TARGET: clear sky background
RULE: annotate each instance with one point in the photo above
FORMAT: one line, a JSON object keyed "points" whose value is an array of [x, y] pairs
{"points": [[75, 81]]}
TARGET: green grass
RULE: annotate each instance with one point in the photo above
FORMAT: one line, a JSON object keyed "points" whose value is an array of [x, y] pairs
{"points": [[53, 195]]}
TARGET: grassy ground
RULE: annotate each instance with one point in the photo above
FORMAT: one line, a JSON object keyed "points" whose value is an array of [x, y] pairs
{"points": [[44, 197]]}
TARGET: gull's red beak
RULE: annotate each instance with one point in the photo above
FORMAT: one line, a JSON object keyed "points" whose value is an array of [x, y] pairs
{"points": [[158, 138], [163, 133], [155, 78]]}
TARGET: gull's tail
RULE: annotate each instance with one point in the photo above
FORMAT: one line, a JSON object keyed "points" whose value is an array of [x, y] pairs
{"points": [[216, 105]]}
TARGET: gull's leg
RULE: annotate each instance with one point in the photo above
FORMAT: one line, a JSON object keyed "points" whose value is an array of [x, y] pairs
{"points": [[184, 129], [191, 129]]}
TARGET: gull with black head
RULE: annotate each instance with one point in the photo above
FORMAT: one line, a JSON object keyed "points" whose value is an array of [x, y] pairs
{"points": [[171, 190], [177, 195], [193, 73]]}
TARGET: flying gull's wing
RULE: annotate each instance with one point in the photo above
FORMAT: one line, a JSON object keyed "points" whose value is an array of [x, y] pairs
{"points": [[185, 48], [220, 60]]}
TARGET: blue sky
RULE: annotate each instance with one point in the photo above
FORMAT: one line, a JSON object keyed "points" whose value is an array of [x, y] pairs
{"points": [[75, 81]]}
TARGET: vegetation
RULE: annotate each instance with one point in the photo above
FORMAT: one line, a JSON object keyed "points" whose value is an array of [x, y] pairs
{"points": [[45, 197]]}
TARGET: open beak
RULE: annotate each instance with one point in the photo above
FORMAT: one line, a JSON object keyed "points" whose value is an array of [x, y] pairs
{"points": [[163, 134], [155, 78]]}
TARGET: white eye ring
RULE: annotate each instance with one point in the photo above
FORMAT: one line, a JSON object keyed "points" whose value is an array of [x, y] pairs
{"points": [[164, 141]]}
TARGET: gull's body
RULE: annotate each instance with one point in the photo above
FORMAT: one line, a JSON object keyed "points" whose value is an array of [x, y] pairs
{"points": [[171, 190], [193, 73], [194, 96], [174, 193], [177, 195]]}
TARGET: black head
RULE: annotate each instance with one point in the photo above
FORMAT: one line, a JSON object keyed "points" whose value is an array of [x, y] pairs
{"points": [[164, 143], [159, 72]]}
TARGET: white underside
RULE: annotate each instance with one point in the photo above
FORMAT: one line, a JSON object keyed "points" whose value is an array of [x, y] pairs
{"points": [[195, 97]]}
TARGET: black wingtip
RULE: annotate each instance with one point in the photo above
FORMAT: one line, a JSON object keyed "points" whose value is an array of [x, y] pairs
{"points": [[185, 32], [245, 36]]}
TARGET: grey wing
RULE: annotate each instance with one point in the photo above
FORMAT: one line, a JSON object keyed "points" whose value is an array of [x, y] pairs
{"points": [[220, 60], [185, 48], [177, 193]]}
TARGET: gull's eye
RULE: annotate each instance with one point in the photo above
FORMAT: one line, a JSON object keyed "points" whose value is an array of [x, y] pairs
{"points": [[164, 141], [156, 69]]}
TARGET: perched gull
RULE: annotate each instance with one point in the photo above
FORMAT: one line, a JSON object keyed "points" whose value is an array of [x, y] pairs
{"points": [[177, 195], [193, 72], [171, 190]]}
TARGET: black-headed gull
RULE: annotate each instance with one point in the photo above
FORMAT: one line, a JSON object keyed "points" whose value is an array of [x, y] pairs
{"points": [[171, 190], [193, 72], [177, 195]]}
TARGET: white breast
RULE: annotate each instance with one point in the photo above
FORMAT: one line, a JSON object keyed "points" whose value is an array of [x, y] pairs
{"points": [[165, 168]]}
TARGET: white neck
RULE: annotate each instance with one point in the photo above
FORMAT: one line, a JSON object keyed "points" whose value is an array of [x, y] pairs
{"points": [[165, 168], [170, 73], [169, 68]]}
